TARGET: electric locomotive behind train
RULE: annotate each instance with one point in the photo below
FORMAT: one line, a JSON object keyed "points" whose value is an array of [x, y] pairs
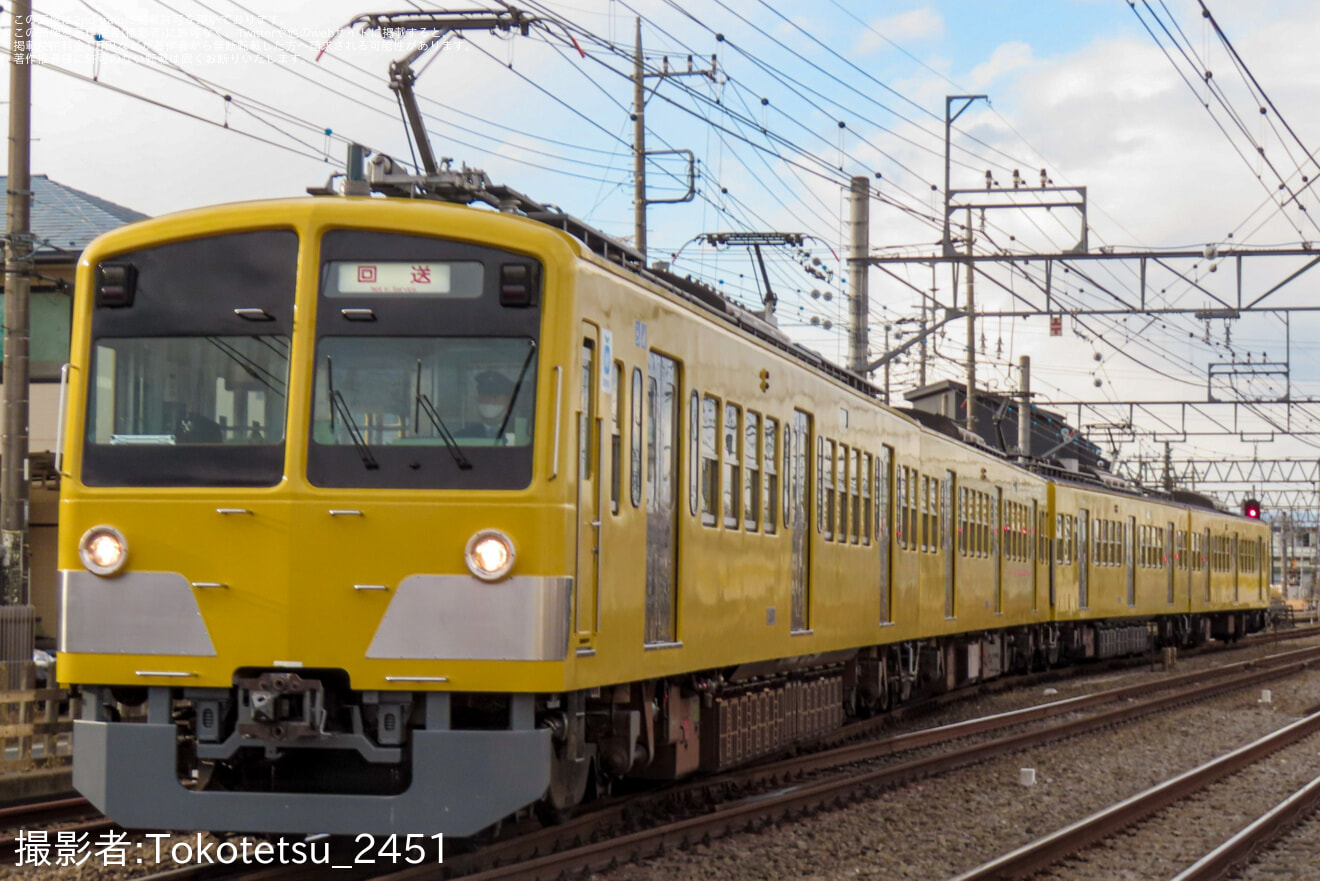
{"points": [[384, 515]]}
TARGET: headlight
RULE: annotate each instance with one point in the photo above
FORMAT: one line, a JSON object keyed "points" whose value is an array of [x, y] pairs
{"points": [[489, 555], [103, 550]]}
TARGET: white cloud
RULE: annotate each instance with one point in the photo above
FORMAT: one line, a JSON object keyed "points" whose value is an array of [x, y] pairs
{"points": [[916, 24], [1006, 58]]}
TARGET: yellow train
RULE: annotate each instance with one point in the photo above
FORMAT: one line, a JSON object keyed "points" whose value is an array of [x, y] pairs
{"points": [[385, 515]]}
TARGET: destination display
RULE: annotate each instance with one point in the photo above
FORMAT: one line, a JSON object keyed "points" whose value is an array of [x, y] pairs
{"points": [[397, 278]]}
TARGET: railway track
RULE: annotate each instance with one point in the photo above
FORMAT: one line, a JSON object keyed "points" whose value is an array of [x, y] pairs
{"points": [[1074, 838], [70, 814], [1258, 836], [751, 798]]}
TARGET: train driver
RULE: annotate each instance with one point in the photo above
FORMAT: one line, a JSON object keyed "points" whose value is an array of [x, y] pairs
{"points": [[494, 391]]}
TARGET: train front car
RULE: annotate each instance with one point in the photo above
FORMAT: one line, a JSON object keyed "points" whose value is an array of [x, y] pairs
{"points": [[310, 530]]}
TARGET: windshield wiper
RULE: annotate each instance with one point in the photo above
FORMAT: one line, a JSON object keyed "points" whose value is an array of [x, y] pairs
{"points": [[338, 404], [517, 386], [454, 450]]}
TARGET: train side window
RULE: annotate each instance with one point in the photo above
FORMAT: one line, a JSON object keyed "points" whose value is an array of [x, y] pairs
{"points": [[616, 440], [910, 528], [854, 491], [868, 480], [751, 471], [790, 453], [924, 501], [827, 481], [900, 502], [770, 461], [883, 509], [653, 404], [710, 468], [635, 474], [586, 418], [841, 485], [729, 455], [969, 515], [960, 517], [936, 516], [1043, 538], [694, 452], [914, 504], [1010, 532]]}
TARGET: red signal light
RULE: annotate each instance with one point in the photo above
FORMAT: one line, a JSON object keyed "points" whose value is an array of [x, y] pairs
{"points": [[1251, 509]]}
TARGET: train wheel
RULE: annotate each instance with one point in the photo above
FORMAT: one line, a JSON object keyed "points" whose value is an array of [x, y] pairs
{"points": [[569, 781]]}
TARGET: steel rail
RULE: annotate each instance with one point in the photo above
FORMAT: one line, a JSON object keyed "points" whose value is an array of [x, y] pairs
{"points": [[1073, 838], [9, 844], [45, 811], [1256, 837]]}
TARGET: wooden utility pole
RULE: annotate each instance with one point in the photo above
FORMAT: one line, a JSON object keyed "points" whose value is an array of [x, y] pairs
{"points": [[18, 267]]}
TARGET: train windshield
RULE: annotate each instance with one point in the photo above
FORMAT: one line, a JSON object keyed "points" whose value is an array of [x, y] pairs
{"points": [[425, 370], [423, 412], [189, 371]]}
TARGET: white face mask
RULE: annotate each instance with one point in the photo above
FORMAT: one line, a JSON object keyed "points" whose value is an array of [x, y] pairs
{"points": [[490, 411]]}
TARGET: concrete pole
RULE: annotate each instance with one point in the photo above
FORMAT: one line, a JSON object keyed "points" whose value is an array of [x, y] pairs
{"points": [[858, 269], [18, 266], [1024, 408], [886, 364], [971, 331], [639, 146]]}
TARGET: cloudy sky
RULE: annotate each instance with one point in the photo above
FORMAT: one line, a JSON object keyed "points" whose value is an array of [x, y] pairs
{"points": [[134, 100]]}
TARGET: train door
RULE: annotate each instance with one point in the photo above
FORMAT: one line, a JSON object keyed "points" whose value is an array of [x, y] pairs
{"points": [[661, 480], [1129, 559], [1083, 558], [800, 523], [588, 495], [1169, 565], [997, 547], [950, 566], [1205, 564], [884, 506]]}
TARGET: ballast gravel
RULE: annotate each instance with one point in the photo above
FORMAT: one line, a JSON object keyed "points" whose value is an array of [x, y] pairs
{"points": [[939, 827]]}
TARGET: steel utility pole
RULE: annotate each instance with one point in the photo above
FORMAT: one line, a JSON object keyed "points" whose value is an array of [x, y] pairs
{"points": [[639, 139], [858, 268], [18, 266], [949, 118]]}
